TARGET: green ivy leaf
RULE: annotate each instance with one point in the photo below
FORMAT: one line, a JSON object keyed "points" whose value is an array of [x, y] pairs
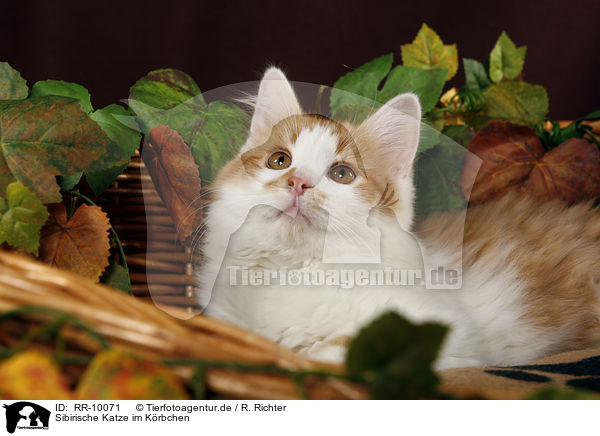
{"points": [[476, 77], [43, 137], [517, 101], [428, 51], [117, 277], [359, 87], [65, 89], [12, 85], [22, 216], [127, 140], [213, 131], [427, 84], [506, 60], [437, 180], [394, 357]]}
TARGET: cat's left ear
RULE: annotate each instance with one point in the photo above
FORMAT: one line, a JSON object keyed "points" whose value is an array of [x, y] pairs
{"points": [[396, 126], [275, 101]]}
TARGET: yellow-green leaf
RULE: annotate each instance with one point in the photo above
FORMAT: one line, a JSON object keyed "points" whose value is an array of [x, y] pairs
{"points": [[22, 216], [34, 376], [119, 375], [428, 51], [506, 60], [518, 102]]}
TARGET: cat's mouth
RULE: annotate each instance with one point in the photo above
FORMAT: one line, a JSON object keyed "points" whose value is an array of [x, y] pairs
{"points": [[295, 211]]}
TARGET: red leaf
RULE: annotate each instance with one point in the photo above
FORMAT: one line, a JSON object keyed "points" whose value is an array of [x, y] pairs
{"points": [[175, 176], [509, 153], [571, 171]]}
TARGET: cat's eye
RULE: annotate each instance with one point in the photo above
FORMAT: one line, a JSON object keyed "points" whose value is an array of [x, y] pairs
{"points": [[342, 174], [279, 160]]}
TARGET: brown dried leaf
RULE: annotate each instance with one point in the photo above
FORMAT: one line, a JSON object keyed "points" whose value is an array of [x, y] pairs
{"points": [[80, 244], [176, 178], [509, 153], [571, 171]]}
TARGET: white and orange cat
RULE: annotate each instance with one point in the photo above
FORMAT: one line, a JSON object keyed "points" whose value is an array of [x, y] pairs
{"points": [[308, 194]]}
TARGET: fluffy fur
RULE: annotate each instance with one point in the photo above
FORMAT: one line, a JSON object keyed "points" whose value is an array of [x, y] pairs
{"points": [[530, 282]]}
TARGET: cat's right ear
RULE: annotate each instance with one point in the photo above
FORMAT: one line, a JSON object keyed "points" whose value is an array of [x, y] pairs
{"points": [[275, 101]]}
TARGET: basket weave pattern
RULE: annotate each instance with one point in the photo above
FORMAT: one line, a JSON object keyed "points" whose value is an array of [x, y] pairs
{"points": [[161, 261]]}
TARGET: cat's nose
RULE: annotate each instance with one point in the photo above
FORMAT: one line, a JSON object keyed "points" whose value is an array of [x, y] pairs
{"points": [[298, 185]]}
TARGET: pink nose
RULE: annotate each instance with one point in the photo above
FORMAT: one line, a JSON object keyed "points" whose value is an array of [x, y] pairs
{"points": [[298, 185]]}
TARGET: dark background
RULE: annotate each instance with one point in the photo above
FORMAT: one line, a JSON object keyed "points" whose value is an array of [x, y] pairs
{"points": [[108, 45]]}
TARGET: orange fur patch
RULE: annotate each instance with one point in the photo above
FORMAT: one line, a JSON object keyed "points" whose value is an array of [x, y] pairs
{"points": [[557, 255]]}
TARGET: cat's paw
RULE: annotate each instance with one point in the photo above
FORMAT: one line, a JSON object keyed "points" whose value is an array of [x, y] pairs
{"points": [[332, 350]]}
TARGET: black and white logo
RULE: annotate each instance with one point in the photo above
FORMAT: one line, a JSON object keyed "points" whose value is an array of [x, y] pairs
{"points": [[26, 415]]}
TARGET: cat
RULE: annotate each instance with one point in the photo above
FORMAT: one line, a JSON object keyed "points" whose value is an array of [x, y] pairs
{"points": [[303, 185]]}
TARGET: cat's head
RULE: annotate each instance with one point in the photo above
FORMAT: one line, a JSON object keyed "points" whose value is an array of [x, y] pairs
{"points": [[316, 173]]}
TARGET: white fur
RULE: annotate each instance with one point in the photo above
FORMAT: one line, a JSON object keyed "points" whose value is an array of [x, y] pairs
{"points": [[245, 228]]}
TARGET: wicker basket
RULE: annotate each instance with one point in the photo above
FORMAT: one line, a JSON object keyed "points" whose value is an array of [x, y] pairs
{"points": [[139, 326], [169, 266]]}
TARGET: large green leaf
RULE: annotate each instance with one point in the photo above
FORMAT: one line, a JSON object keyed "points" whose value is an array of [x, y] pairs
{"points": [[165, 89], [359, 87], [356, 95], [65, 89], [437, 180], [506, 60], [427, 84], [12, 85], [395, 357], [22, 216], [428, 51], [128, 140], [214, 131], [476, 77], [125, 138], [516, 101], [43, 137]]}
